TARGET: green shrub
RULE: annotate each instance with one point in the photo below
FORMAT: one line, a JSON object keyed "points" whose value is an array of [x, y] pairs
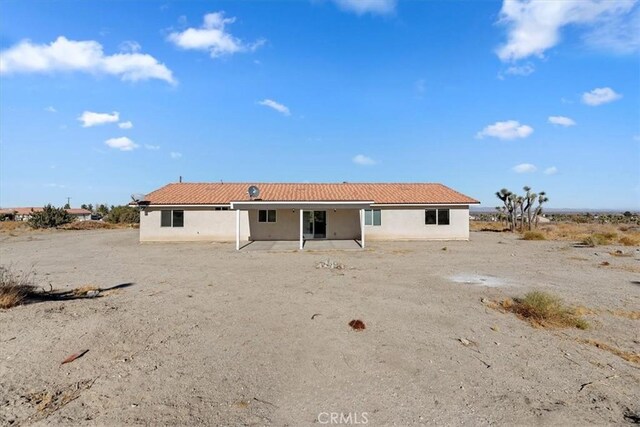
{"points": [[50, 217], [124, 215]]}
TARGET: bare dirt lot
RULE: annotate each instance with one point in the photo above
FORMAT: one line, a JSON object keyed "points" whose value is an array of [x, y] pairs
{"points": [[207, 335]]}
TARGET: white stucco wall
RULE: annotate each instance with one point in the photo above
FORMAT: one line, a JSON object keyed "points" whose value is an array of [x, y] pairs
{"points": [[399, 223], [199, 224]]}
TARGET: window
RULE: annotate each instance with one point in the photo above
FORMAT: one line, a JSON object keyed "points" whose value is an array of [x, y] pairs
{"points": [[372, 217], [171, 218], [165, 219], [178, 218], [265, 215], [430, 216], [443, 216], [221, 208], [436, 216]]}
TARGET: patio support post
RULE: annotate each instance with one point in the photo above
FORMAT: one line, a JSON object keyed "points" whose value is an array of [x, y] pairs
{"points": [[301, 236], [237, 229], [362, 228]]}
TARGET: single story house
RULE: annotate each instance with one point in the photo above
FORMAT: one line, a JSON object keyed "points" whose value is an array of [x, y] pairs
{"points": [[299, 212], [23, 214]]}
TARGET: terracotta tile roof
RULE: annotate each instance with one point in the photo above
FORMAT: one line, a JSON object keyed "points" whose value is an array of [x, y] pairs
{"points": [[78, 211], [382, 193]]}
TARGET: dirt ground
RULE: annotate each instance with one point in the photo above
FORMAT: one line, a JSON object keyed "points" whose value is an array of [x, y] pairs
{"points": [[207, 335]]}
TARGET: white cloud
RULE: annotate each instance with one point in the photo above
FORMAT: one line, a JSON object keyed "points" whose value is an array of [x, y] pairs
{"points": [[363, 160], [123, 143], [561, 121], [151, 147], [89, 118], [535, 25], [519, 70], [50, 109], [551, 170], [619, 34], [525, 168], [601, 95], [511, 129], [367, 6], [175, 155], [213, 37], [130, 46], [276, 106], [125, 125], [86, 56]]}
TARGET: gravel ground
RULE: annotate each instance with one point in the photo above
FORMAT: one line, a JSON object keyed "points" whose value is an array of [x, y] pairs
{"points": [[207, 335]]}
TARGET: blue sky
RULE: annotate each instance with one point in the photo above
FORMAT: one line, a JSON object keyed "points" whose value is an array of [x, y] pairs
{"points": [[99, 100]]}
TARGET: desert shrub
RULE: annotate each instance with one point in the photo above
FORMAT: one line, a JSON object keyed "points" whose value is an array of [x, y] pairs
{"points": [[14, 287], [49, 217], [87, 225], [123, 215], [545, 310], [629, 241], [533, 235], [600, 239]]}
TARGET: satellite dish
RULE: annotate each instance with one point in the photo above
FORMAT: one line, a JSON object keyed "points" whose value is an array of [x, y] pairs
{"points": [[137, 197], [254, 192]]}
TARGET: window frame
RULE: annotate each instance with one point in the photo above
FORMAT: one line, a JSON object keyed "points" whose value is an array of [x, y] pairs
{"points": [[172, 215], [370, 217], [437, 216], [267, 216]]}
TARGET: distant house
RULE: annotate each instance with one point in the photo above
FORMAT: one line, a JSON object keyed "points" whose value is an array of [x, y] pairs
{"points": [[79, 214], [300, 212], [23, 214]]}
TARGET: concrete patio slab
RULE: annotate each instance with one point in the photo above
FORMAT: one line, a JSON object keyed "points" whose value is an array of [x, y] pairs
{"points": [[292, 245]]}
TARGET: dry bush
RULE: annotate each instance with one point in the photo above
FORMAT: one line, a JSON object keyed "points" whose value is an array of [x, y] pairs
{"points": [[8, 226], [588, 233], [533, 235], [87, 225], [596, 234], [630, 240], [544, 310], [14, 287], [496, 226], [626, 355]]}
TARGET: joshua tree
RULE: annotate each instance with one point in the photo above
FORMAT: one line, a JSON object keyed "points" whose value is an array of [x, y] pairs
{"points": [[542, 198], [507, 198], [522, 205], [529, 200]]}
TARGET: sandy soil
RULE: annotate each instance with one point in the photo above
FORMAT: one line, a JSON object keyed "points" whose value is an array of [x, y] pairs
{"points": [[207, 335]]}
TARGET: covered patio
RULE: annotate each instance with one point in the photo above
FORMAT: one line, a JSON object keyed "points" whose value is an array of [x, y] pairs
{"points": [[303, 223]]}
